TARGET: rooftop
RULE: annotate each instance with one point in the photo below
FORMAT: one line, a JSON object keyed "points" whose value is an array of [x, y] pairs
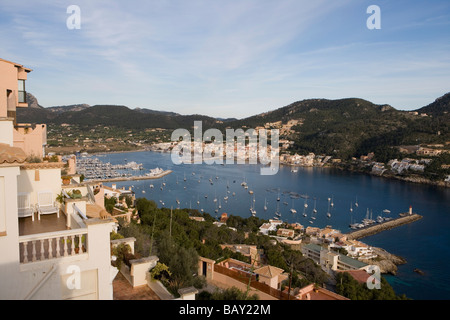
{"points": [[123, 290], [10, 154]]}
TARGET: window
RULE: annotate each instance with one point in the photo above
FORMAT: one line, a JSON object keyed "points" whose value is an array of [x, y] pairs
{"points": [[22, 92]]}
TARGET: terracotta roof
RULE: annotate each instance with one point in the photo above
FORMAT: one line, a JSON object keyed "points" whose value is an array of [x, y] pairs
{"points": [[10, 154], [95, 211], [359, 275], [269, 271], [43, 165]]}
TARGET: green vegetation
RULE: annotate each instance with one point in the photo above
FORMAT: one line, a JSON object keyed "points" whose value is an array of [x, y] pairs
{"points": [[232, 293], [178, 240], [347, 286]]}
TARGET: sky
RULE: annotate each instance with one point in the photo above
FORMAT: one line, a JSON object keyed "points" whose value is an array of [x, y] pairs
{"points": [[229, 58]]}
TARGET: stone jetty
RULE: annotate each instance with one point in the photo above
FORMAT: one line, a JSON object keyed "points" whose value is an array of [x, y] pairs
{"points": [[376, 228]]}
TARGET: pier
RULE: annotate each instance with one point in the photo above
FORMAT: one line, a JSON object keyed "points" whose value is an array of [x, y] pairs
{"points": [[133, 178], [387, 225]]}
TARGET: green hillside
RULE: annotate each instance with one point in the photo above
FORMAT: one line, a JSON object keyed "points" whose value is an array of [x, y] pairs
{"points": [[341, 128]]}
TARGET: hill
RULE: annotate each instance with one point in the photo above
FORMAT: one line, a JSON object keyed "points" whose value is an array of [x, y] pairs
{"points": [[351, 127], [341, 128]]}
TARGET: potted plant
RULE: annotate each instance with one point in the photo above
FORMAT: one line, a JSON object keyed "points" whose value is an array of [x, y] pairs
{"points": [[66, 180], [76, 194]]}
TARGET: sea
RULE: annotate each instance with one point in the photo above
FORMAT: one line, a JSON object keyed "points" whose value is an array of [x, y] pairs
{"points": [[348, 196]]}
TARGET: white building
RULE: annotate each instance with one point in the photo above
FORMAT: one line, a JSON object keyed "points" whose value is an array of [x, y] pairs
{"points": [[50, 250]]}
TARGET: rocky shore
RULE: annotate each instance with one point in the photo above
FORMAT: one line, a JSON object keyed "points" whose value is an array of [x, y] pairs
{"points": [[387, 262]]}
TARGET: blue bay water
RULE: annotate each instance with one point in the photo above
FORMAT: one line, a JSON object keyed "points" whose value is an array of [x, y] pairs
{"points": [[425, 244]]}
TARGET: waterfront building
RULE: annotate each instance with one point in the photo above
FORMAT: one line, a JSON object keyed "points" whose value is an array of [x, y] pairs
{"points": [[331, 261], [54, 246]]}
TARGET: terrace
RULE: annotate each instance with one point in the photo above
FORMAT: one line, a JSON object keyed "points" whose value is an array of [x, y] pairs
{"points": [[63, 234]]}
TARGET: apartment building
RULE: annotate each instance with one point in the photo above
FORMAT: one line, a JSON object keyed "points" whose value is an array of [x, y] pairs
{"points": [[52, 246]]}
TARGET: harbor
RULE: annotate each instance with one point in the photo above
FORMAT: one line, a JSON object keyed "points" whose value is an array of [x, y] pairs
{"points": [[95, 170]]}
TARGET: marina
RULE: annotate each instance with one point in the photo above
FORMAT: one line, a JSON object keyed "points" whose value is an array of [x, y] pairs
{"points": [[95, 170]]}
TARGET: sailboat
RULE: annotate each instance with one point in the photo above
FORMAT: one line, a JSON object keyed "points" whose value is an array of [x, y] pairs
{"points": [[265, 204], [332, 203], [351, 207], [292, 209], [356, 202], [252, 208], [328, 213], [314, 210], [277, 213]]}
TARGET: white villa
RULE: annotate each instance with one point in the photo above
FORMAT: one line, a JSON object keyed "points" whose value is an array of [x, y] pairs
{"points": [[49, 249]]}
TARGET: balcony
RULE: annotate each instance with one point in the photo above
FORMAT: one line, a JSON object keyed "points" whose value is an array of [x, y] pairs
{"points": [[49, 237]]}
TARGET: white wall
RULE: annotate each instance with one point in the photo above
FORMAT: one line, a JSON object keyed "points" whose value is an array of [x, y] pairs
{"points": [[6, 132], [49, 180]]}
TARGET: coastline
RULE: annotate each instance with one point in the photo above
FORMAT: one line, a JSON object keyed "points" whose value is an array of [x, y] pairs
{"points": [[415, 180]]}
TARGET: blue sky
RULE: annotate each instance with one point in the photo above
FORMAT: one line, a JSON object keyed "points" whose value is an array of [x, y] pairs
{"points": [[229, 58]]}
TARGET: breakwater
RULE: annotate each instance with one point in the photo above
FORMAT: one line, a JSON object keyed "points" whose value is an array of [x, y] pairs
{"points": [[376, 228], [134, 178]]}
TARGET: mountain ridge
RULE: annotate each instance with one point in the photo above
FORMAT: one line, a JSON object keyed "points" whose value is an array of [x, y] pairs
{"points": [[342, 128]]}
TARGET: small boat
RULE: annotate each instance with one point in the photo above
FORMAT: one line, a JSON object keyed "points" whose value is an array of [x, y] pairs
{"points": [[328, 215], [293, 210], [386, 211], [152, 186]]}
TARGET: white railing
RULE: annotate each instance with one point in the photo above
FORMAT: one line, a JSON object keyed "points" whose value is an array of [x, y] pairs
{"points": [[52, 245]]}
